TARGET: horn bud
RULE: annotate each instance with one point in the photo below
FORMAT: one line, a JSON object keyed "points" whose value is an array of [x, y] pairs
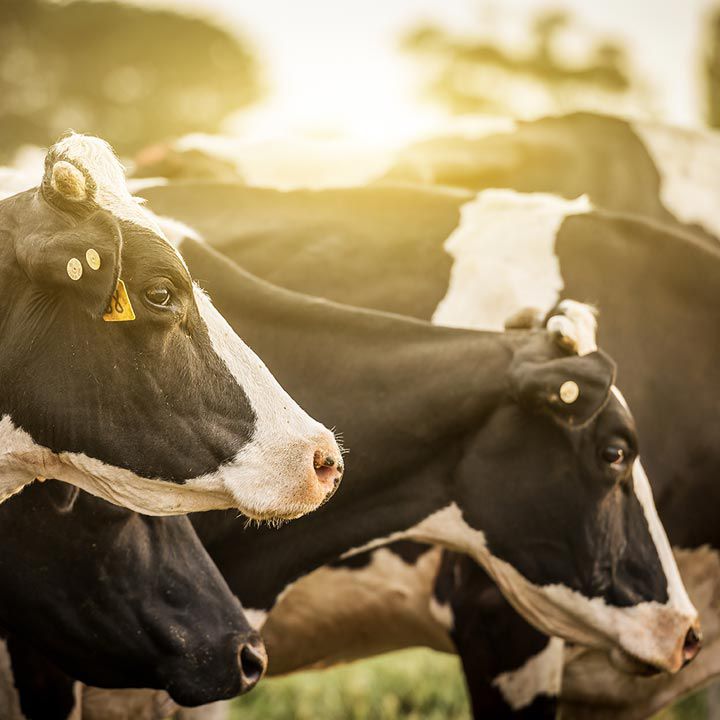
{"points": [[68, 181]]}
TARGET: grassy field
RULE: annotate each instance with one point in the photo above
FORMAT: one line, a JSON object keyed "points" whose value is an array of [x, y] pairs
{"points": [[407, 685]]}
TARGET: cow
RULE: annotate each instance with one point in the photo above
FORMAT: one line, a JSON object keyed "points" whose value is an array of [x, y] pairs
{"points": [[512, 250], [119, 376], [459, 422], [673, 174], [117, 599]]}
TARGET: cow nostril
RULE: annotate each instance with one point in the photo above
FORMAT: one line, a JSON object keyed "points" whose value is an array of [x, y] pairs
{"points": [[692, 645], [253, 662]]}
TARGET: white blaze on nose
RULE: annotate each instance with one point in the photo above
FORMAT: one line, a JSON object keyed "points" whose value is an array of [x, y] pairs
{"points": [[504, 258], [273, 474], [678, 597]]}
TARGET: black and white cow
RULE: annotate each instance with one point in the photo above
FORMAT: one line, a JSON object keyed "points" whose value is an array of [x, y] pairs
{"points": [[512, 251], [119, 376], [673, 174], [117, 599], [568, 532]]}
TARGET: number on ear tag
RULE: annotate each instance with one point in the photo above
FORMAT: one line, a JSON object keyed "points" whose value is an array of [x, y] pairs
{"points": [[119, 308]]}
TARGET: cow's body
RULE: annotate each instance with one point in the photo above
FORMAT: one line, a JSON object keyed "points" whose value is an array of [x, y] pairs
{"points": [[118, 374], [390, 244], [430, 385]]}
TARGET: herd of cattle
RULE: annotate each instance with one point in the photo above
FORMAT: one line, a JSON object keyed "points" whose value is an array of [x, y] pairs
{"points": [[496, 327]]}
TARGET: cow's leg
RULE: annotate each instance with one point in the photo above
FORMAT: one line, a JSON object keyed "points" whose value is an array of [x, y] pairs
{"points": [[43, 691], [512, 670]]}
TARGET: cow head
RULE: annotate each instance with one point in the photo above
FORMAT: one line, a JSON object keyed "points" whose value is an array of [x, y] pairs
{"points": [[118, 599], [119, 375], [569, 528]]}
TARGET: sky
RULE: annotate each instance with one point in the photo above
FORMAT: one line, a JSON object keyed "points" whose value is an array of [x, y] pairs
{"points": [[336, 61]]}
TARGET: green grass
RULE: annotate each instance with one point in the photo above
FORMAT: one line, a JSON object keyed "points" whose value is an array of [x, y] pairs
{"points": [[406, 685], [411, 684]]}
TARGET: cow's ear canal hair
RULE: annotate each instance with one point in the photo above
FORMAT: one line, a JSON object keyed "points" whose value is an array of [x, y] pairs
{"points": [[572, 389], [82, 261]]}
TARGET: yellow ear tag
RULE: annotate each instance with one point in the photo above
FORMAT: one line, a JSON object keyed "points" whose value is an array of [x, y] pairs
{"points": [[119, 308]]}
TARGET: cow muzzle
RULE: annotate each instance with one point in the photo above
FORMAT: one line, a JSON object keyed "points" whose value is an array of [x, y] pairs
{"points": [[684, 653], [252, 663]]}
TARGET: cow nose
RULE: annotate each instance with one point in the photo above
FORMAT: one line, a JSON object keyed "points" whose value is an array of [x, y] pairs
{"points": [[328, 468], [252, 660], [692, 645]]}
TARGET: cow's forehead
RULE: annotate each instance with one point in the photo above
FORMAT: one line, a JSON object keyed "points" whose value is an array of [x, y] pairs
{"points": [[96, 159]]}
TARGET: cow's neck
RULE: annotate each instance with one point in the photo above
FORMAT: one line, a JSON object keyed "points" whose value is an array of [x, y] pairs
{"points": [[404, 394]]}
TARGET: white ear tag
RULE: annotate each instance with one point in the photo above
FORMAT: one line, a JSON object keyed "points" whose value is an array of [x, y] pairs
{"points": [[569, 392]]}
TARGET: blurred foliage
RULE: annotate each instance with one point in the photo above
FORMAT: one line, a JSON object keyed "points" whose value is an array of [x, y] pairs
{"points": [[474, 75], [411, 684], [130, 75], [693, 707], [414, 684]]}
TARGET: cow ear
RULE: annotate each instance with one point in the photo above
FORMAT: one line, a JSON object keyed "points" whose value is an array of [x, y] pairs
{"points": [[82, 261], [572, 389]]}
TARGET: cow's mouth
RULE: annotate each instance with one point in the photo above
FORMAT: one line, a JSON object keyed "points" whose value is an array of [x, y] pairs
{"points": [[631, 665]]}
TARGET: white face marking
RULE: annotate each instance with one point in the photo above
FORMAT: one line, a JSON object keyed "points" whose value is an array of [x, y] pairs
{"points": [[590, 678], [689, 163], [273, 473], [649, 631], [504, 259], [641, 485], [540, 674]]}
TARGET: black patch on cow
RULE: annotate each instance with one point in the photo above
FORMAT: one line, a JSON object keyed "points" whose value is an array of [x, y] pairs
{"points": [[149, 395], [408, 551], [490, 637]]}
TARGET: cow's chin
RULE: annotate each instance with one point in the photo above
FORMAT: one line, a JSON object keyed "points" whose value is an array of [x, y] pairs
{"points": [[277, 510], [630, 665]]}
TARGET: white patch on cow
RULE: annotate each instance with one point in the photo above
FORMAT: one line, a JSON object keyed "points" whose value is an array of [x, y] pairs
{"points": [[442, 613], [375, 608], [504, 258], [676, 588], [539, 675], [649, 631], [689, 164], [273, 474], [577, 325], [641, 485], [97, 158], [255, 617], [295, 163]]}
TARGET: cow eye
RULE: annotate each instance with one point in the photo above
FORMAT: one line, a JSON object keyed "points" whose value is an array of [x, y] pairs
{"points": [[614, 455], [159, 295]]}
